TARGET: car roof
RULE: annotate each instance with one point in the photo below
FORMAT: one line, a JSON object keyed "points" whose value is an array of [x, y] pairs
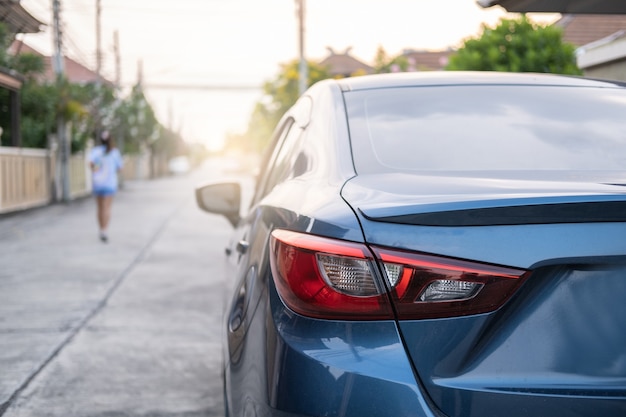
{"points": [[439, 78]]}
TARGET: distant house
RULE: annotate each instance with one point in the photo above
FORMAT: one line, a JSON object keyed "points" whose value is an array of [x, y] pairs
{"points": [[422, 60], [17, 20], [344, 64], [74, 71], [582, 29], [591, 33], [600, 39], [601, 42]]}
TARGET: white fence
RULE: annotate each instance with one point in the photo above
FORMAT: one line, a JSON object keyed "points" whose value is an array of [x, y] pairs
{"points": [[31, 177], [25, 179]]}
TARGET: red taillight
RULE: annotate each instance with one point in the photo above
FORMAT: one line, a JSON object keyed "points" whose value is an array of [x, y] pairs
{"points": [[424, 286], [324, 278], [334, 279]]}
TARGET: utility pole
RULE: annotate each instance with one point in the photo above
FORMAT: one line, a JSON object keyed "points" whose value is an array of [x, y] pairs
{"points": [[58, 39], [98, 44], [303, 74], [97, 115], [118, 65], [64, 143], [119, 134]]}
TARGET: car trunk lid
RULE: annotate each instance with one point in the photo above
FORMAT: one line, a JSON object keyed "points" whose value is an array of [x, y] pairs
{"points": [[556, 347]]}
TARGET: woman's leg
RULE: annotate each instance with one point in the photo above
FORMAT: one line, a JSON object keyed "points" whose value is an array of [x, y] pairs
{"points": [[104, 203], [100, 210], [107, 202]]}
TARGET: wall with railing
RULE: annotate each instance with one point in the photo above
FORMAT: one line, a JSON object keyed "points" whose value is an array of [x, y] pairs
{"points": [[80, 175], [144, 166], [25, 179], [32, 177]]}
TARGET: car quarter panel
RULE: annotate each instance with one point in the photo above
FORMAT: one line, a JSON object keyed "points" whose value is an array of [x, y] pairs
{"points": [[275, 358]]}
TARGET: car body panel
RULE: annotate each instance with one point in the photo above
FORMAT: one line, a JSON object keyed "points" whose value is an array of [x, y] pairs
{"points": [[537, 355], [443, 78], [574, 296], [374, 196], [346, 361], [278, 358]]}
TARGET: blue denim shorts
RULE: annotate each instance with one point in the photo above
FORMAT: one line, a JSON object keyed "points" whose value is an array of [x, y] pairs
{"points": [[104, 192]]}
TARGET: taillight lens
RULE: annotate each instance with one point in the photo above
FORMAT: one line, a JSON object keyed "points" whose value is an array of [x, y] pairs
{"points": [[424, 286], [325, 278], [334, 279]]}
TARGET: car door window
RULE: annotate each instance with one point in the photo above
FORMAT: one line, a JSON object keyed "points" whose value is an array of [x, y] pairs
{"points": [[279, 165], [283, 166]]}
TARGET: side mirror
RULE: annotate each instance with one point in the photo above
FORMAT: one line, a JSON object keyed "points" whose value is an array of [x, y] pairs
{"points": [[221, 198]]}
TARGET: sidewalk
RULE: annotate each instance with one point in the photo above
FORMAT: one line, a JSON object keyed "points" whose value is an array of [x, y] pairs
{"points": [[100, 326]]}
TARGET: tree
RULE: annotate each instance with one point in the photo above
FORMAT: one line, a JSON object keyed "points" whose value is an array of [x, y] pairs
{"points": [[37, 102], [80, 104], [5, 41], [280, 94], [517, 45], [134, 122], [384, 64], [41, 103]]}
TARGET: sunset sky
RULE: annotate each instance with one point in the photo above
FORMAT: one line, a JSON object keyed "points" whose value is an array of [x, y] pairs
{"points": [[243, 43]]}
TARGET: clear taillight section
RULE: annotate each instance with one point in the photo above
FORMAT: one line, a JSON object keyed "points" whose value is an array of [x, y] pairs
{"points": [[425, 286], [328, 278]]}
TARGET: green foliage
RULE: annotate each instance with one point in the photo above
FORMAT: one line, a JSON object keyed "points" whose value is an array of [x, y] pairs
{"points": [[39, 103], [280, 94], [36, 101], [42, 103], [5, 42], [283, 90], [5, 118], [517, 45], [28, 65], [132, 120], [384, 64]]}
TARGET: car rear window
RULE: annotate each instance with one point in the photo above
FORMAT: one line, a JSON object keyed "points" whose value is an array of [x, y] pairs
{"points": [[483, 128]]}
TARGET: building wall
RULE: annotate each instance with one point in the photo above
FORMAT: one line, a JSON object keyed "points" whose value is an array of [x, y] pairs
{"points": [[611, 71]]}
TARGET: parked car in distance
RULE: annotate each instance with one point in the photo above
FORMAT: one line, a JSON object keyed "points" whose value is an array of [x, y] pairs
{"points": [[179, 165], [432, 244]]}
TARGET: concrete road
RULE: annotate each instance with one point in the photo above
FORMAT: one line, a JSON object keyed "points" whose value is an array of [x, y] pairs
{"points": [[127, 328]]}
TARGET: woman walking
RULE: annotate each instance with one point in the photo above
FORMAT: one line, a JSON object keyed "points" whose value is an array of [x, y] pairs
{"points": [[106, 162]]}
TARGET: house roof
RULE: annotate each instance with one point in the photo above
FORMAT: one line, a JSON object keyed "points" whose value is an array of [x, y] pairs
{"points": [[74, 71], [9, 79], [603, 51], [559, 6], [17, 18], [344, 64], [427, 60], [581, 29]]}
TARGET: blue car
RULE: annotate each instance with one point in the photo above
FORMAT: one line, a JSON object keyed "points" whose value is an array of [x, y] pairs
{"points": [[429, 245]]}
